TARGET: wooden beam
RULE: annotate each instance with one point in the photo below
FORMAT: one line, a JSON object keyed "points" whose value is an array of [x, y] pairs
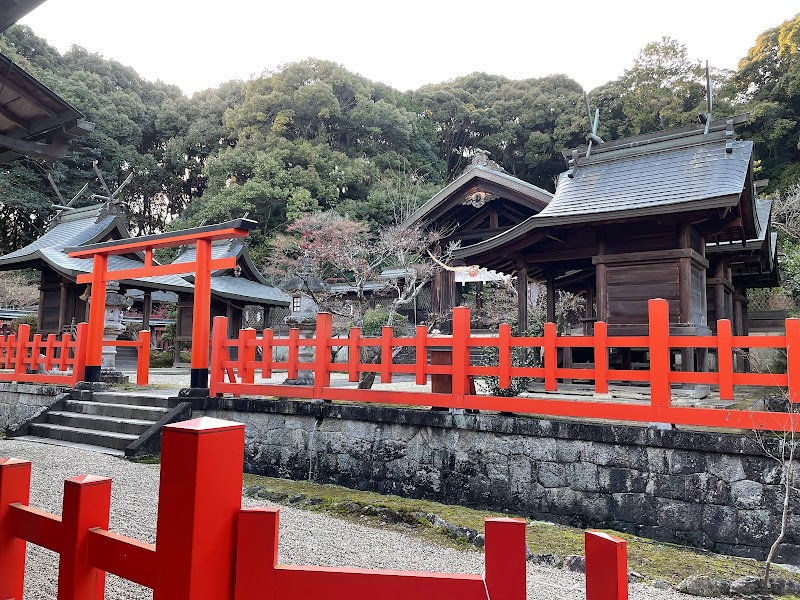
{"points": [[551, 298], [14, 118]]}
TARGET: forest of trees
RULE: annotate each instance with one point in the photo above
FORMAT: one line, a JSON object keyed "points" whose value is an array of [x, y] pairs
{"points": [[313, 135]]}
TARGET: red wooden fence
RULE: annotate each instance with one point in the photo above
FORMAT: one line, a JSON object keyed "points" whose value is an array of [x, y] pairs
{"points": [[142, 345], [237, 376], [209, 548], [21, 356]]}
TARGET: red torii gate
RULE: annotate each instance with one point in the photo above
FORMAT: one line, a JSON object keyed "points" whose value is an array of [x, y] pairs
{"points": [[201, 268]]}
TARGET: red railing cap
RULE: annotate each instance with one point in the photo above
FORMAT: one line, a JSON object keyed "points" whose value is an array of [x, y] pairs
{"points": [[205, 424], [88, 479], [13, 461]]}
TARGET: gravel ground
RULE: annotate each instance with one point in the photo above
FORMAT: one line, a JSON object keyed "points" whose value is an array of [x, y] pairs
{"points": [[306, 537]]}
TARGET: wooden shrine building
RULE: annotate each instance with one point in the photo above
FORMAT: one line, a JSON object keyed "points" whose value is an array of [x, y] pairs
{"points": [[673, 214], [62, 302]]}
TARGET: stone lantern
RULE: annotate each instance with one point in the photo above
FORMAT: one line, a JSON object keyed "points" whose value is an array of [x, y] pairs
{"points": [[303, 315], [116, 304]]}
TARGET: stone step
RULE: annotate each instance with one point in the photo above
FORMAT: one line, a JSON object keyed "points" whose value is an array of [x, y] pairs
{"points": [[98, 422], [108, 439], [55, 442], [130, 399], [122, 411]]}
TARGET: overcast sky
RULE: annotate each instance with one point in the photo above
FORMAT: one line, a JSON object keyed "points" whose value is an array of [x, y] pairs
{"points": [[199, 44]]}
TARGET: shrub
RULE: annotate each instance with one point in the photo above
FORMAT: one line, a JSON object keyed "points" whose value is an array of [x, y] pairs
{"points": [[31, 319]]}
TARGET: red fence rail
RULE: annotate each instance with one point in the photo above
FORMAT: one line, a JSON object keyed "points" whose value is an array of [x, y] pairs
{"points": [[142, 345], [237, 377], [209, 548], [21, 356]]}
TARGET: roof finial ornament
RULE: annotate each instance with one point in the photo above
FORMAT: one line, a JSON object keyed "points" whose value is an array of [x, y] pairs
{"points": [[706, 118], [592, 137], [111, 196], [480, 158], [64, 205]]}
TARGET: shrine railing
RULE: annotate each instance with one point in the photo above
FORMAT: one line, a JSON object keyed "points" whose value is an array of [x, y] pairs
{"points": [[254, 355], [142, 345], [220, 551], [37, 359]]}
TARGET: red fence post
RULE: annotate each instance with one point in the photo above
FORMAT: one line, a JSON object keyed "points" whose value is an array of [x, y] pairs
{"points": [[79, 356], [322, 353], [49, 353], [504, 356], [606, 566], [266, 354], [292, 350], [505, 557], [256, 553], [353, 354], [793, 358], [600, 358], [36, 348], [143, 359], [15, 484], [247, 355], [550, 358], [660, 393], [461, 359], [219, 333], [725, 359], [386, 354], [200, 496], [21, 355], [87, 504], [421, 354]]}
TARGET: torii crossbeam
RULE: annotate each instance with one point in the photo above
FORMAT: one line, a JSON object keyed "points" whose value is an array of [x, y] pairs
{"points": [[201, 268]]}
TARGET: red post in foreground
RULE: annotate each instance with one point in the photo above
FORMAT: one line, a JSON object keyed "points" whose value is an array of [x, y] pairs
{"points": [[87, 504], [199, 499], [506, 556], [15, 483], [606, 567]]}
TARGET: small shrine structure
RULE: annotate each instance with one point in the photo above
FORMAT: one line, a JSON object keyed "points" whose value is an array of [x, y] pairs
{"points": [[235, 293]]}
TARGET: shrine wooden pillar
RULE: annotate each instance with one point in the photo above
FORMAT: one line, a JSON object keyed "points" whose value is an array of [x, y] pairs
{"points": [[62, 308], [522, 297], [443, 290], [551, 298], [147, 309]]}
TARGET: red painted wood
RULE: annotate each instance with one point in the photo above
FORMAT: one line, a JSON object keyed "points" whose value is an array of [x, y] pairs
{"points": [[793, 358], [505, 558], [36, 351], [247, 355], [36, 526], [143, 359], [461, 334], [178, 239], [97, 311], [293, 353], [87, 504], [660, 394], [266, 354], [79, 355], [600, 358], [550, 357], [256, 553], [50, 352], [202, 305], [386, 354], [322, 353], [606, 566], [64, 348], [130, 559], [725, 359], [421, 351], [217, 264], [353, 354], [15, 483], [504, 356], [200, 495], [21, 354], [217, 368]]}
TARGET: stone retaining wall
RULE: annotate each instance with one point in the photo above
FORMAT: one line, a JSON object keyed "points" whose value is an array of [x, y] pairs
{"points": [[709, 490], [20, 402]]}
